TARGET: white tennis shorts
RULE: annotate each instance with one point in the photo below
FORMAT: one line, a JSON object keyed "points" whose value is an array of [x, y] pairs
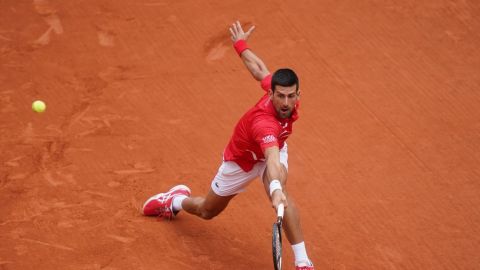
{"points": [[231, 179]]}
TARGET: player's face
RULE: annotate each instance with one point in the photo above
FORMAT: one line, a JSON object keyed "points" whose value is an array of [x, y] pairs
{"points": [[284, 99]]}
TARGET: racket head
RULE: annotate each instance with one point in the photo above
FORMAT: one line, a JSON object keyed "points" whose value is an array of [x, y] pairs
{"points": [[277, 245]]}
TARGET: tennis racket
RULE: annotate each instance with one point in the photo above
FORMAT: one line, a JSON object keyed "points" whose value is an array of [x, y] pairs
{"points": [[277, 239]]}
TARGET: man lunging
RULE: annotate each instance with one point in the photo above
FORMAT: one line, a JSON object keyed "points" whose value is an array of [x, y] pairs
{"points": [[257, 148]]}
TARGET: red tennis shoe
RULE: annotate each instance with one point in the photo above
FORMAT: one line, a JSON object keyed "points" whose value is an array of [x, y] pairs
{"points": [[305, 266], [161, 204]]}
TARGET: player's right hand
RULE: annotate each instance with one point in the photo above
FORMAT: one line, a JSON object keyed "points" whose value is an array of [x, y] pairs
{"points": [[238, 33], [279, 197]]}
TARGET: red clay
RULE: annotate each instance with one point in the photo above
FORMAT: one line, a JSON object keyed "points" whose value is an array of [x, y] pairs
{"points": [[142, 95]]}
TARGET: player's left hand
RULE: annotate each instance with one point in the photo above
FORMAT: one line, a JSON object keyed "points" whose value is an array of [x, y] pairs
{"points": [[238, 33]]}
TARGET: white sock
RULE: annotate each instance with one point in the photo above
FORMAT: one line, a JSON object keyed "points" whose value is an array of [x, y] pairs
{"points": [[300, 253], [177, 202]]}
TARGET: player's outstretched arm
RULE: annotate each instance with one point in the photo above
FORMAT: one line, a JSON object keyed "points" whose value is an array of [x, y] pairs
{"points": [[274, 174], [254, 64]]}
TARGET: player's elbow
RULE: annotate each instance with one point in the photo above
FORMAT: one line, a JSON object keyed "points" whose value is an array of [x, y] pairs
{"points": [[257, 74], [261, 72]]}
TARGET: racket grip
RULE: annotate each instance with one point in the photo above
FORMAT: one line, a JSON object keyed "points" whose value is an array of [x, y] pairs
{"points": [[280, 210]]}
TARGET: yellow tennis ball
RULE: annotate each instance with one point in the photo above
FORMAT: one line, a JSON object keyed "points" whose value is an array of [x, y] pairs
{"points": [[38, 106]]}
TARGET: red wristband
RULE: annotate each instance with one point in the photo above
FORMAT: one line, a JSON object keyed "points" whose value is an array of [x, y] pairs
{"points": [[240, 46]]}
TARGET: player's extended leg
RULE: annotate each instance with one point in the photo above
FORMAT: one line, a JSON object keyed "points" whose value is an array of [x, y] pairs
{"points": [[291, 222], [168, 204], [206, 207], [229, 181]]}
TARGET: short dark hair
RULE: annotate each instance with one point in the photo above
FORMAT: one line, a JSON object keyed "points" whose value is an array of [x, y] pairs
{"points": [[284, 77]]}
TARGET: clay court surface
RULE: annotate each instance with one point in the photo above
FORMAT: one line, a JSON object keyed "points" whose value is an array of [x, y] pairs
{"points": [[142, 95]]}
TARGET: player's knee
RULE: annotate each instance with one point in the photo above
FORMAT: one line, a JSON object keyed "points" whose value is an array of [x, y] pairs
{"points": [[208, 214]]}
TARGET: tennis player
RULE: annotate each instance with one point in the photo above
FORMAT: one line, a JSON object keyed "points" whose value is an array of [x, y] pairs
{"points": [[257, 148]]}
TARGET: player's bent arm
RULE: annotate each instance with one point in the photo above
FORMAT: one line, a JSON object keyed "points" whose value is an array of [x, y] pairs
{"points": [[255, 65]]}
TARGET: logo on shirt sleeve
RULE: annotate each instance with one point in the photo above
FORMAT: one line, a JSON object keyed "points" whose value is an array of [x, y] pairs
{"points": [[268, 139]]}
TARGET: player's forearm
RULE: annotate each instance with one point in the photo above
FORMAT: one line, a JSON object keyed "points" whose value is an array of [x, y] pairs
{"points": [[273, 169], [254, 64], [275, 187], [274, 172]]}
